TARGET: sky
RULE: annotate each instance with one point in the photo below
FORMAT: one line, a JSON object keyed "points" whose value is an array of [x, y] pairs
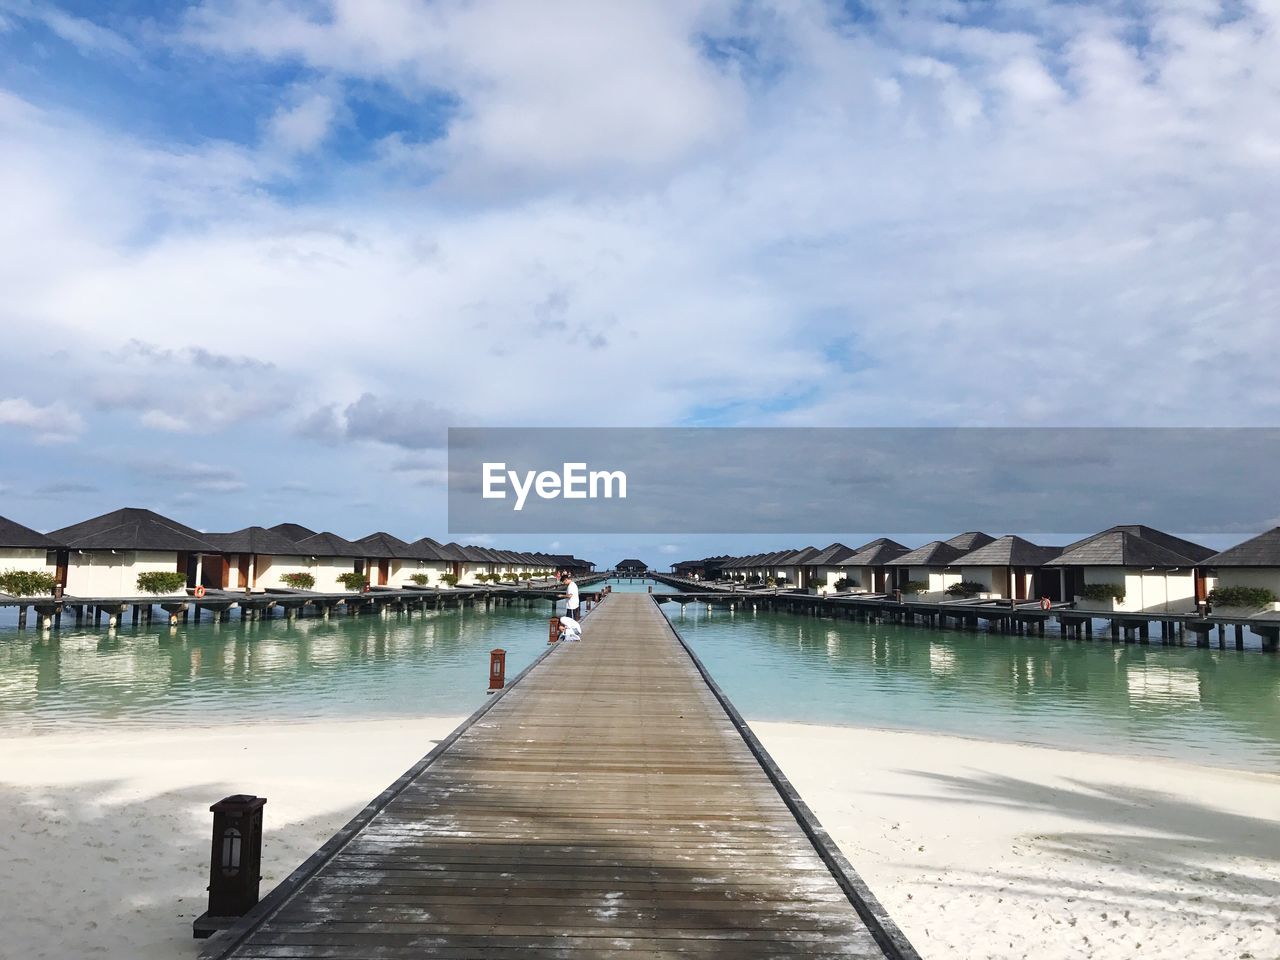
{"points": [[257, 257]]}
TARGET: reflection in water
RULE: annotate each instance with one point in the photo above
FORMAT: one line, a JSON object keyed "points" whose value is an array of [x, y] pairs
{"points": [[1198, 704], [1204, 705], [432, 663]]}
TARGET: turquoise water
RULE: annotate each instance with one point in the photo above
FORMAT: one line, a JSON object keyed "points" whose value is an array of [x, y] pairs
{"points": [[1211, 706], [1202, 705], [433, 663]]}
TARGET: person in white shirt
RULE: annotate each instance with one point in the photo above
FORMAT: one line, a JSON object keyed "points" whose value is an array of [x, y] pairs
{"points": [[570, 596], [570, 629]]}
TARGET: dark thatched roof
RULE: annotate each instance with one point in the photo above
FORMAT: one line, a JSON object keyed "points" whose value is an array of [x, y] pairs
{"points": [[16, 535], [256, 540], [935, 554], [384, 546], [970, 541], [829, 555], [875, 554], [132, 528], [294, 531], [1009, 551], [328, 544], [1261, 551], [428, 549], [452, 552], [1187, 549], [1119, 548], [631, 564]]}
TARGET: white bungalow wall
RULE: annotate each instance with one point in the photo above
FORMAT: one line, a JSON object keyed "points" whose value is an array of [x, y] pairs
{"points": [[402, 572], [938, 580], [16, 558], [102, 573], [1267, 578], [997, 580], [1152, 591]]}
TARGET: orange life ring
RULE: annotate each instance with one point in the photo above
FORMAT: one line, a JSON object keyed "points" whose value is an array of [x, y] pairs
{"points": [[199, 591], [1045, 603]]}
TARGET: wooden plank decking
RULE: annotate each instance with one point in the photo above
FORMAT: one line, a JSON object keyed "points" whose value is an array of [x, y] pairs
{"points": [[607, 805]]}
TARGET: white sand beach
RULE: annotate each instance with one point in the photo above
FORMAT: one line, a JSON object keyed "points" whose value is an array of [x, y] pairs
{"points": [[978, 849]]}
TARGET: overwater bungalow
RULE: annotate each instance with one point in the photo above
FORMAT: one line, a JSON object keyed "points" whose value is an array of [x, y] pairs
{"points": [[294, 531], [252, 559], [1137, 568], [330, 556], [822, 570], [1254, 563], [632, 568], [931, 566], [1013, 568], [104, 556], [27, 550], [971, 540], [791, 568], [868, 570], [390, 561]]}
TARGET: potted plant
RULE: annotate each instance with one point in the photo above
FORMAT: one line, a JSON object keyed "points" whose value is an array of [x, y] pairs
{"points": [[449, 579], [157, 582], [353, 580], [913, 588], [298, 581], [966, 588], [420, 579], [1241, 601], [1100, 596], [29, 583], [842, 584]]}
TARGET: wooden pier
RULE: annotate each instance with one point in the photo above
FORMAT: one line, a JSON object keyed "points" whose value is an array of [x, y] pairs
{"points": [[609, 802], [997, 616]]}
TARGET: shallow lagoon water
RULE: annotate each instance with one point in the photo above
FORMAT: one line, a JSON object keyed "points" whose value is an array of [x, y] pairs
{"points": [[1209, 706]]}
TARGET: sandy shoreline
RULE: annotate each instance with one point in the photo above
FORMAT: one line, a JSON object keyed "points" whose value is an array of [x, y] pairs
{"points": [[978, 849]]}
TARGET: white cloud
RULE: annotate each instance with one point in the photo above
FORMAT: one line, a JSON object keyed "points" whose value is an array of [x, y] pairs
{"points": [[302, 126], [50, 423], [571, 87], [86, 36], [1038, 222]]}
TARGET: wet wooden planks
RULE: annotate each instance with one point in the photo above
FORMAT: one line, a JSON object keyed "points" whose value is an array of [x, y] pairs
{"points": [[606, 806]]}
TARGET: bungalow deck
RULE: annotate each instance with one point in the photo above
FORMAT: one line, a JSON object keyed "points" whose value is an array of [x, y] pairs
{"points": [[609, 802]]}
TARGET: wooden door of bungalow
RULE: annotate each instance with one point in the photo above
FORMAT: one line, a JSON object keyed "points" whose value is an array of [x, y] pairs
{"points": [[242, 571], [214, 572], [878, 580], [384, 571], [1019, 577]]}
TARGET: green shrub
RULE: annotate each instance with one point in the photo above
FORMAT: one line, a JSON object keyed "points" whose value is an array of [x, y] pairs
{"points": [[1102, 591], [161, 581], [449, 579], [751, 578], [1241, 597], [299, 581], [27, 583], [842, 583], [913, 587], [966, 588], [421, 579], [511, 575], [353, 580]]}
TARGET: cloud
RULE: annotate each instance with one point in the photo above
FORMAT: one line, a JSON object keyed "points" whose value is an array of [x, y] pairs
{"points": [[50, 423], [59, 490], [302, 126], [669, 548], [410, 424], [192, 478], [1009, 213], [91, 39]]}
